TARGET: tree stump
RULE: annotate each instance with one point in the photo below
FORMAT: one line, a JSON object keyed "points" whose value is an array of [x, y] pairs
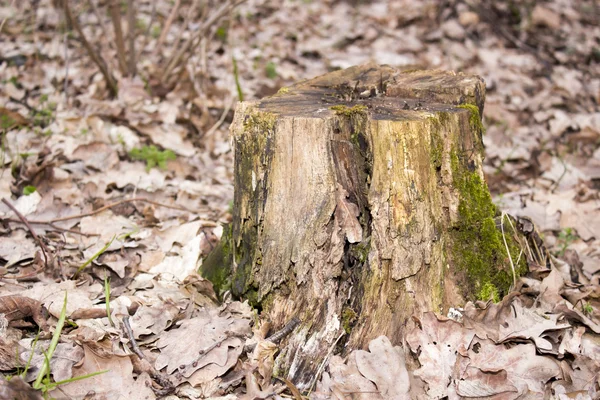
{"points": [[359, 202]]}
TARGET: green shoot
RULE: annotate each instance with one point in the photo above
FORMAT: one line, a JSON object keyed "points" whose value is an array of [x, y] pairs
{"points": [[107, 296], [24, 373], [38, 385], [588, 309], [152, 156], [27, 190], [92, 258], [565, 238], [236, 76], [271, 70]]}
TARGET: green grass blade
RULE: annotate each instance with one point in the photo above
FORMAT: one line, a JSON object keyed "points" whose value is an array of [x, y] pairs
{"points": [[55, 337]]}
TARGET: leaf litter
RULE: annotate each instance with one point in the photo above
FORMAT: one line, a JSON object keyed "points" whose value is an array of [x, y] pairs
{"points": [[63, 135]]}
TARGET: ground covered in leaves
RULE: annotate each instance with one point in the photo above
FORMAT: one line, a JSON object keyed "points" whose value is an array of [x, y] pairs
{"points": [[117, 177]]}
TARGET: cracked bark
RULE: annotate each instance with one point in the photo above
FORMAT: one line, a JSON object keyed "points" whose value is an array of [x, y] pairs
{"points": [[345, 204]]}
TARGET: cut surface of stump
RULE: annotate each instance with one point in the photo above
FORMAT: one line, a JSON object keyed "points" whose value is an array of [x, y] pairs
{"points": [[360, 201]]}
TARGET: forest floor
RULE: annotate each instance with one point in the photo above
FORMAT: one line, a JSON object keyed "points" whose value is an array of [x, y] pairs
{"points": [[111, 202]]}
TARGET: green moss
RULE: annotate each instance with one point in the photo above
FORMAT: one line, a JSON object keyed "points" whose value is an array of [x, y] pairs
{"points": [[360, 251], [253, 153], [261, 121], [348, 319], [216, 267], [489, 292], [436, 145], [349, 111], [474, 119], [479, 248]]}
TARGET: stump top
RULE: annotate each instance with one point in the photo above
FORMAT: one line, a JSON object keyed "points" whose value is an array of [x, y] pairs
{"points": [[387, 92]]}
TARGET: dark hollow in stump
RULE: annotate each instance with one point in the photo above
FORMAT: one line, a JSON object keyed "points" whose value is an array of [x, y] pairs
{"points": [[360, 201]]}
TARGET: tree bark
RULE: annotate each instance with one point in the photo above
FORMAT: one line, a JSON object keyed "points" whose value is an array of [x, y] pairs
{"points": [[360, 201]]}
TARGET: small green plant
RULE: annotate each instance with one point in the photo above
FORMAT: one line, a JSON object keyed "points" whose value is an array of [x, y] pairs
{"points": [[43, 381], [236, 77], [155, 31], [44, 114], [153, 156], [588, 309], [221, 33], [92, 258], [107, 296], [565, 238], [271, 70], [27, 190]]}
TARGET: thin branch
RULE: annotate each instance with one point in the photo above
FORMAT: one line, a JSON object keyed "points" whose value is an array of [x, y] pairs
{"points": [[110, 80], [12, 3], [165, 30], [216, 126], [66, 81], [132, 341], [26, 223], [147, 33], [106, 207], [131, 36], [180, 56], [100, 19], [56, 228], [115, 16]]}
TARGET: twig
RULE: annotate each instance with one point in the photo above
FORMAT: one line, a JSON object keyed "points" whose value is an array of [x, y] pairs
{"points": [[26, 223], [178, 56], [100, 19], [216, 126], [134, 345], [115, 16], [146, 366], [106, 207], [56, 228], [12, 3], [66, 82], [24, 104], [147, 33], [131, 36], [322, 365], [512, 265], [110, 80], [165, 30]]}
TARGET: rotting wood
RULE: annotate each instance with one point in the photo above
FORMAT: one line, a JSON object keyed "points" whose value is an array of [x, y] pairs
{"points": [[360, 201]]}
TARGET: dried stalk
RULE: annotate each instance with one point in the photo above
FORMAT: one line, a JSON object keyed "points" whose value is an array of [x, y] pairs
{"points": [[131, 36], [99, 17], [165, 30], [183, 53], [95, 56], [115, 15], [147, 33]]}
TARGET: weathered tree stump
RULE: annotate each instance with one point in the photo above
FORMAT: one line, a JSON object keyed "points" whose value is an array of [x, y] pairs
{"points": [[360, 201]]}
